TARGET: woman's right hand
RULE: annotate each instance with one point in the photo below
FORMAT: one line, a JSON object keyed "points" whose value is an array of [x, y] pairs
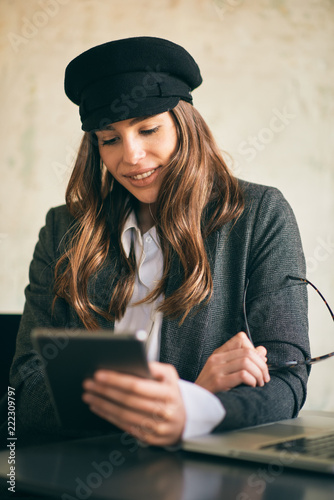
{"points": [[234, 363]]}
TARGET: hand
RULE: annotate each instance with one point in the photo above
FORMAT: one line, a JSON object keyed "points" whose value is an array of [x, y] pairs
{"points": [[151, 410], [235, 362]]}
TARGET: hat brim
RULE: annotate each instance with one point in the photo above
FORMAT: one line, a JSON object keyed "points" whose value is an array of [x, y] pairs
{"points": [[120, 111]]}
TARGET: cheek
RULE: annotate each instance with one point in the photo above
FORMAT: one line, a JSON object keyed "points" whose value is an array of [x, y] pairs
{"points": [[169, 148], [174, 144]]}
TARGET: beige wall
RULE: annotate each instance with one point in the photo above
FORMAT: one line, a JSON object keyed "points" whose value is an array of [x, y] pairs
{"points": [[268, 96]]}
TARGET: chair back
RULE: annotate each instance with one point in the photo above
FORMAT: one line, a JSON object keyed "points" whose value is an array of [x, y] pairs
{"points": [[9, 325]]}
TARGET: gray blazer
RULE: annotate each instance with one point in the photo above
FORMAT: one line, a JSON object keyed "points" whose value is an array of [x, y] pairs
{"points": [[263, 246]]}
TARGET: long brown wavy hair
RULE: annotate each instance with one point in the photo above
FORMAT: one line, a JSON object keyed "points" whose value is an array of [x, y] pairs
{"points": [[198, 196]]}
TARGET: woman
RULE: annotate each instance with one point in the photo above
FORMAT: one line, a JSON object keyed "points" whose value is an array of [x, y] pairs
{"points": [[158, 234]]}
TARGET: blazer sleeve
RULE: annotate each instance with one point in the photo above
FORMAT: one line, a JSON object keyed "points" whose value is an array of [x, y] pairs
{"points": [[277, 315], [34, 411], [35, 415], [36, 419]]}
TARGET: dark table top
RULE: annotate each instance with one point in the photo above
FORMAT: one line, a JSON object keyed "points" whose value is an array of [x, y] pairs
{"points": [[118, 468]]}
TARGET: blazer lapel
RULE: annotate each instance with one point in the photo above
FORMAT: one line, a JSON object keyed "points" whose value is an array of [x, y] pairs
{"points": [[101, 285]]}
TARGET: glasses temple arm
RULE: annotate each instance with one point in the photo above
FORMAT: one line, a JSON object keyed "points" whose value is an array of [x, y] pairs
{"points": [[315, 288], [245, 314]]}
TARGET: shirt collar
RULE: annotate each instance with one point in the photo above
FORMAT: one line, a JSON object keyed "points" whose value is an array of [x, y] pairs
{"points": [[130, 227]]}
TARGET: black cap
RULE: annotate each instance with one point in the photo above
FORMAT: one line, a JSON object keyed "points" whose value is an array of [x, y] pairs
{"points": [[127, 78]]}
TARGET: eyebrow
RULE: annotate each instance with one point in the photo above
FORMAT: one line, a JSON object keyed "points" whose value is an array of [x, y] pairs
{"points": [[134, 121]]}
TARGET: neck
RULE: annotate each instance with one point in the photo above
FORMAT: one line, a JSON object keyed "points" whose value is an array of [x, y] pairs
{"points": [[146, 216]]}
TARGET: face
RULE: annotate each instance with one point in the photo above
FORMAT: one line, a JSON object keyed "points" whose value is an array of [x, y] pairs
{"points": [[136, 151]]}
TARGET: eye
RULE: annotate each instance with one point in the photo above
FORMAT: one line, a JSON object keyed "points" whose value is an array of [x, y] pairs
{"points": [[109, 142], [149, 131]]}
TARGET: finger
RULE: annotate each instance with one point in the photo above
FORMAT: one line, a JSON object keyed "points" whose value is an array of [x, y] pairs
{"points": [[241, 377], [262, 351], [163, 371], [154, 428], [248, 365], [129, 384], [142, 395], [253, 361], [160, 371], [238, 341], [239, 373], [144, 405], [219, 380], [151, 388], [159, 411], [125, 419], [113, 411], [238, 354], [128, 401], [220, 366]]}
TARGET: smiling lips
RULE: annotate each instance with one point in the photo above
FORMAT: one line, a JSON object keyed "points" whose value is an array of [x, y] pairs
{"points": [[143, 175]]}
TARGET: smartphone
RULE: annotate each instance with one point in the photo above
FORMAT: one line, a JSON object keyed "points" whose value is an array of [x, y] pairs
{"points": [[68, 357]]}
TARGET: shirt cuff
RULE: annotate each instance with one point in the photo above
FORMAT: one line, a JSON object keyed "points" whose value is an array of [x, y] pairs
{"points": [[204, 411]]}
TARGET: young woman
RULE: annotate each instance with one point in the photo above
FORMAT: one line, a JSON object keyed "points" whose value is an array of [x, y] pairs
{"points": [[157, 234]]}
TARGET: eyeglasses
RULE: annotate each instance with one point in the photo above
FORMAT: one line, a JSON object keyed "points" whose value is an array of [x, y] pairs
{"points": [[290, 364]]}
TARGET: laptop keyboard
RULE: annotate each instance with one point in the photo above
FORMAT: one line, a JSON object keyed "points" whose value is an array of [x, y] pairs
{"points": [[321, 446]]}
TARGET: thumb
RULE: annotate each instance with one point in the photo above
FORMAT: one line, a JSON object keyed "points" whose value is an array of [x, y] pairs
{"points": [[262, 351], [162, 371]]}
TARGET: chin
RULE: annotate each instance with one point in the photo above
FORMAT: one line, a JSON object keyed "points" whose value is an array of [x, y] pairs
{"points": [[147, 200]]}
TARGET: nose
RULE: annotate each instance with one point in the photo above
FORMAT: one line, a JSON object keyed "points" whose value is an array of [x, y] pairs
{"points": [[133, 151]]}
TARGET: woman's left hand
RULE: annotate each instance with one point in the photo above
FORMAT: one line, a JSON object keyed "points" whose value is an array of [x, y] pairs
{"points": [[234, 363], [150, 409]]}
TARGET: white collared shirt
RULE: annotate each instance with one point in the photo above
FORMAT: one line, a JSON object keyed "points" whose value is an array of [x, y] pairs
{"points": [[149, 271], [203, 409]]}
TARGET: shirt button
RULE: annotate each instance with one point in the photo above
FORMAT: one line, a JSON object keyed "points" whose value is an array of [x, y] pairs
{"points": [[148, 239]]}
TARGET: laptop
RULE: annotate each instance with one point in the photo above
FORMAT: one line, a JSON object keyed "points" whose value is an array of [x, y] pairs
{"points": [[306, 442]]}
